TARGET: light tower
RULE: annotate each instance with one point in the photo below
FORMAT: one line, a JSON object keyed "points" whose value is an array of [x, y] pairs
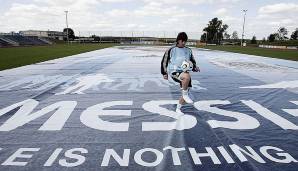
{"points": [[244, 15], [66, 12]]}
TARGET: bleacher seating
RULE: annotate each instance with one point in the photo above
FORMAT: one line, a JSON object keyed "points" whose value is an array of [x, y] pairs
{"points": [[21, 40], [4, 43], [37, 41]]}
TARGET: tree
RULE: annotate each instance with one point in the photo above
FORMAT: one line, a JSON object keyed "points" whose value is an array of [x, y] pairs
{"points": [[227, 36], [215, 30], [282, 32], [71, 35], [254, 40], [203, 38], [235, 36], [96, 38], [272, 37], [294, 35]]}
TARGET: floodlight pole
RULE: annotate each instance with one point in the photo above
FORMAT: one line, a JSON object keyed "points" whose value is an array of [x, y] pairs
{"points": [[244, 11], [132, 37], [206, 37], [164, 36], [66, 12]]}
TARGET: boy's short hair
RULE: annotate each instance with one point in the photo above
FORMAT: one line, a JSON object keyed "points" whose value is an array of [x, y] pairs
{"points": [[182, 36]]}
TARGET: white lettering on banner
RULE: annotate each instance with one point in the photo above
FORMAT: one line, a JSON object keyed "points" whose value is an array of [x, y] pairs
{"points": [[19, 154], [90, 118], [62, 109], [293, 112], [124, 161], [243, 121], [175, 155], [53, 157], [225, 154], [70, 154], [210, 153], [287, 158], [182, 122], [251, 153], [140, 161], [273, 117], [141, 156]]}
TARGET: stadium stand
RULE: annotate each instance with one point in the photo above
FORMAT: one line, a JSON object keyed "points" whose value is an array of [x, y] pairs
{"points": [[19, 40], [37, 41], [4, 43], [8, 41]]}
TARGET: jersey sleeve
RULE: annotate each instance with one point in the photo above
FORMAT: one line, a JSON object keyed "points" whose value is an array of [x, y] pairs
{"points": [[192, 59], [164, 62]]}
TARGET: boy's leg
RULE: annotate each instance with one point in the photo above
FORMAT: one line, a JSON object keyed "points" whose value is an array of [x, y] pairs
{"points": [[185, 79], [181, 101], [179, 105]]}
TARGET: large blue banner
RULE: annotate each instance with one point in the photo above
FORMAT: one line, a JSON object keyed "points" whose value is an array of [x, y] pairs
{"points": [[111, 110]]}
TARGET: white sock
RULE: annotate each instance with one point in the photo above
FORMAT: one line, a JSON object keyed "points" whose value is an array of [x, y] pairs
{"points": [[184, 91], [179, 106], [178, 109], [186, 97]]}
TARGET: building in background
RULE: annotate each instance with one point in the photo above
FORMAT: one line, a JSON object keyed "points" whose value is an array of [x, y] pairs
{"points": [[44, 34]]}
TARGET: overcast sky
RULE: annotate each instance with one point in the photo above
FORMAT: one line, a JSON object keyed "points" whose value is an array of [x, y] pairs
{"points": [[154, 17]]}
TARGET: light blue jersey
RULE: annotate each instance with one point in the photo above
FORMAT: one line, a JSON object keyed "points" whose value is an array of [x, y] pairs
{"points": [[173, 59], [178, 55]]}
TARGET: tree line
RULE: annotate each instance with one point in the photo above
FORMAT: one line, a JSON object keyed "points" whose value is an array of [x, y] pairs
{"points": [[215, 33]]}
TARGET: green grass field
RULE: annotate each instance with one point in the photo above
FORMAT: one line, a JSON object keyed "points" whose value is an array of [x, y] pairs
{"points": [[20, 56], [273, 53]]}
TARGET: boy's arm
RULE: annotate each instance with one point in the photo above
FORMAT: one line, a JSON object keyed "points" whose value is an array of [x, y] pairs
{"points": [[164, 62], [192, 59]]}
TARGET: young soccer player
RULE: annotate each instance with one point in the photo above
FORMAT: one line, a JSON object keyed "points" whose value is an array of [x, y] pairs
{"points": [[177, 62]]}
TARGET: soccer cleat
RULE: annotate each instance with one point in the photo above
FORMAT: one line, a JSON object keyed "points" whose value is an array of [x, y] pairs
{"points": [[186, 97]]}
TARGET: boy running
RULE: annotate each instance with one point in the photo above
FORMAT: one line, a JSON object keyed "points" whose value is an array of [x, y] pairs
{"points": [[171, 65]]}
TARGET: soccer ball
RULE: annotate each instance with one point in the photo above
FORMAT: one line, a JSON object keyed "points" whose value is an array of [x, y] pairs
{"points": [[186, 66]]}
